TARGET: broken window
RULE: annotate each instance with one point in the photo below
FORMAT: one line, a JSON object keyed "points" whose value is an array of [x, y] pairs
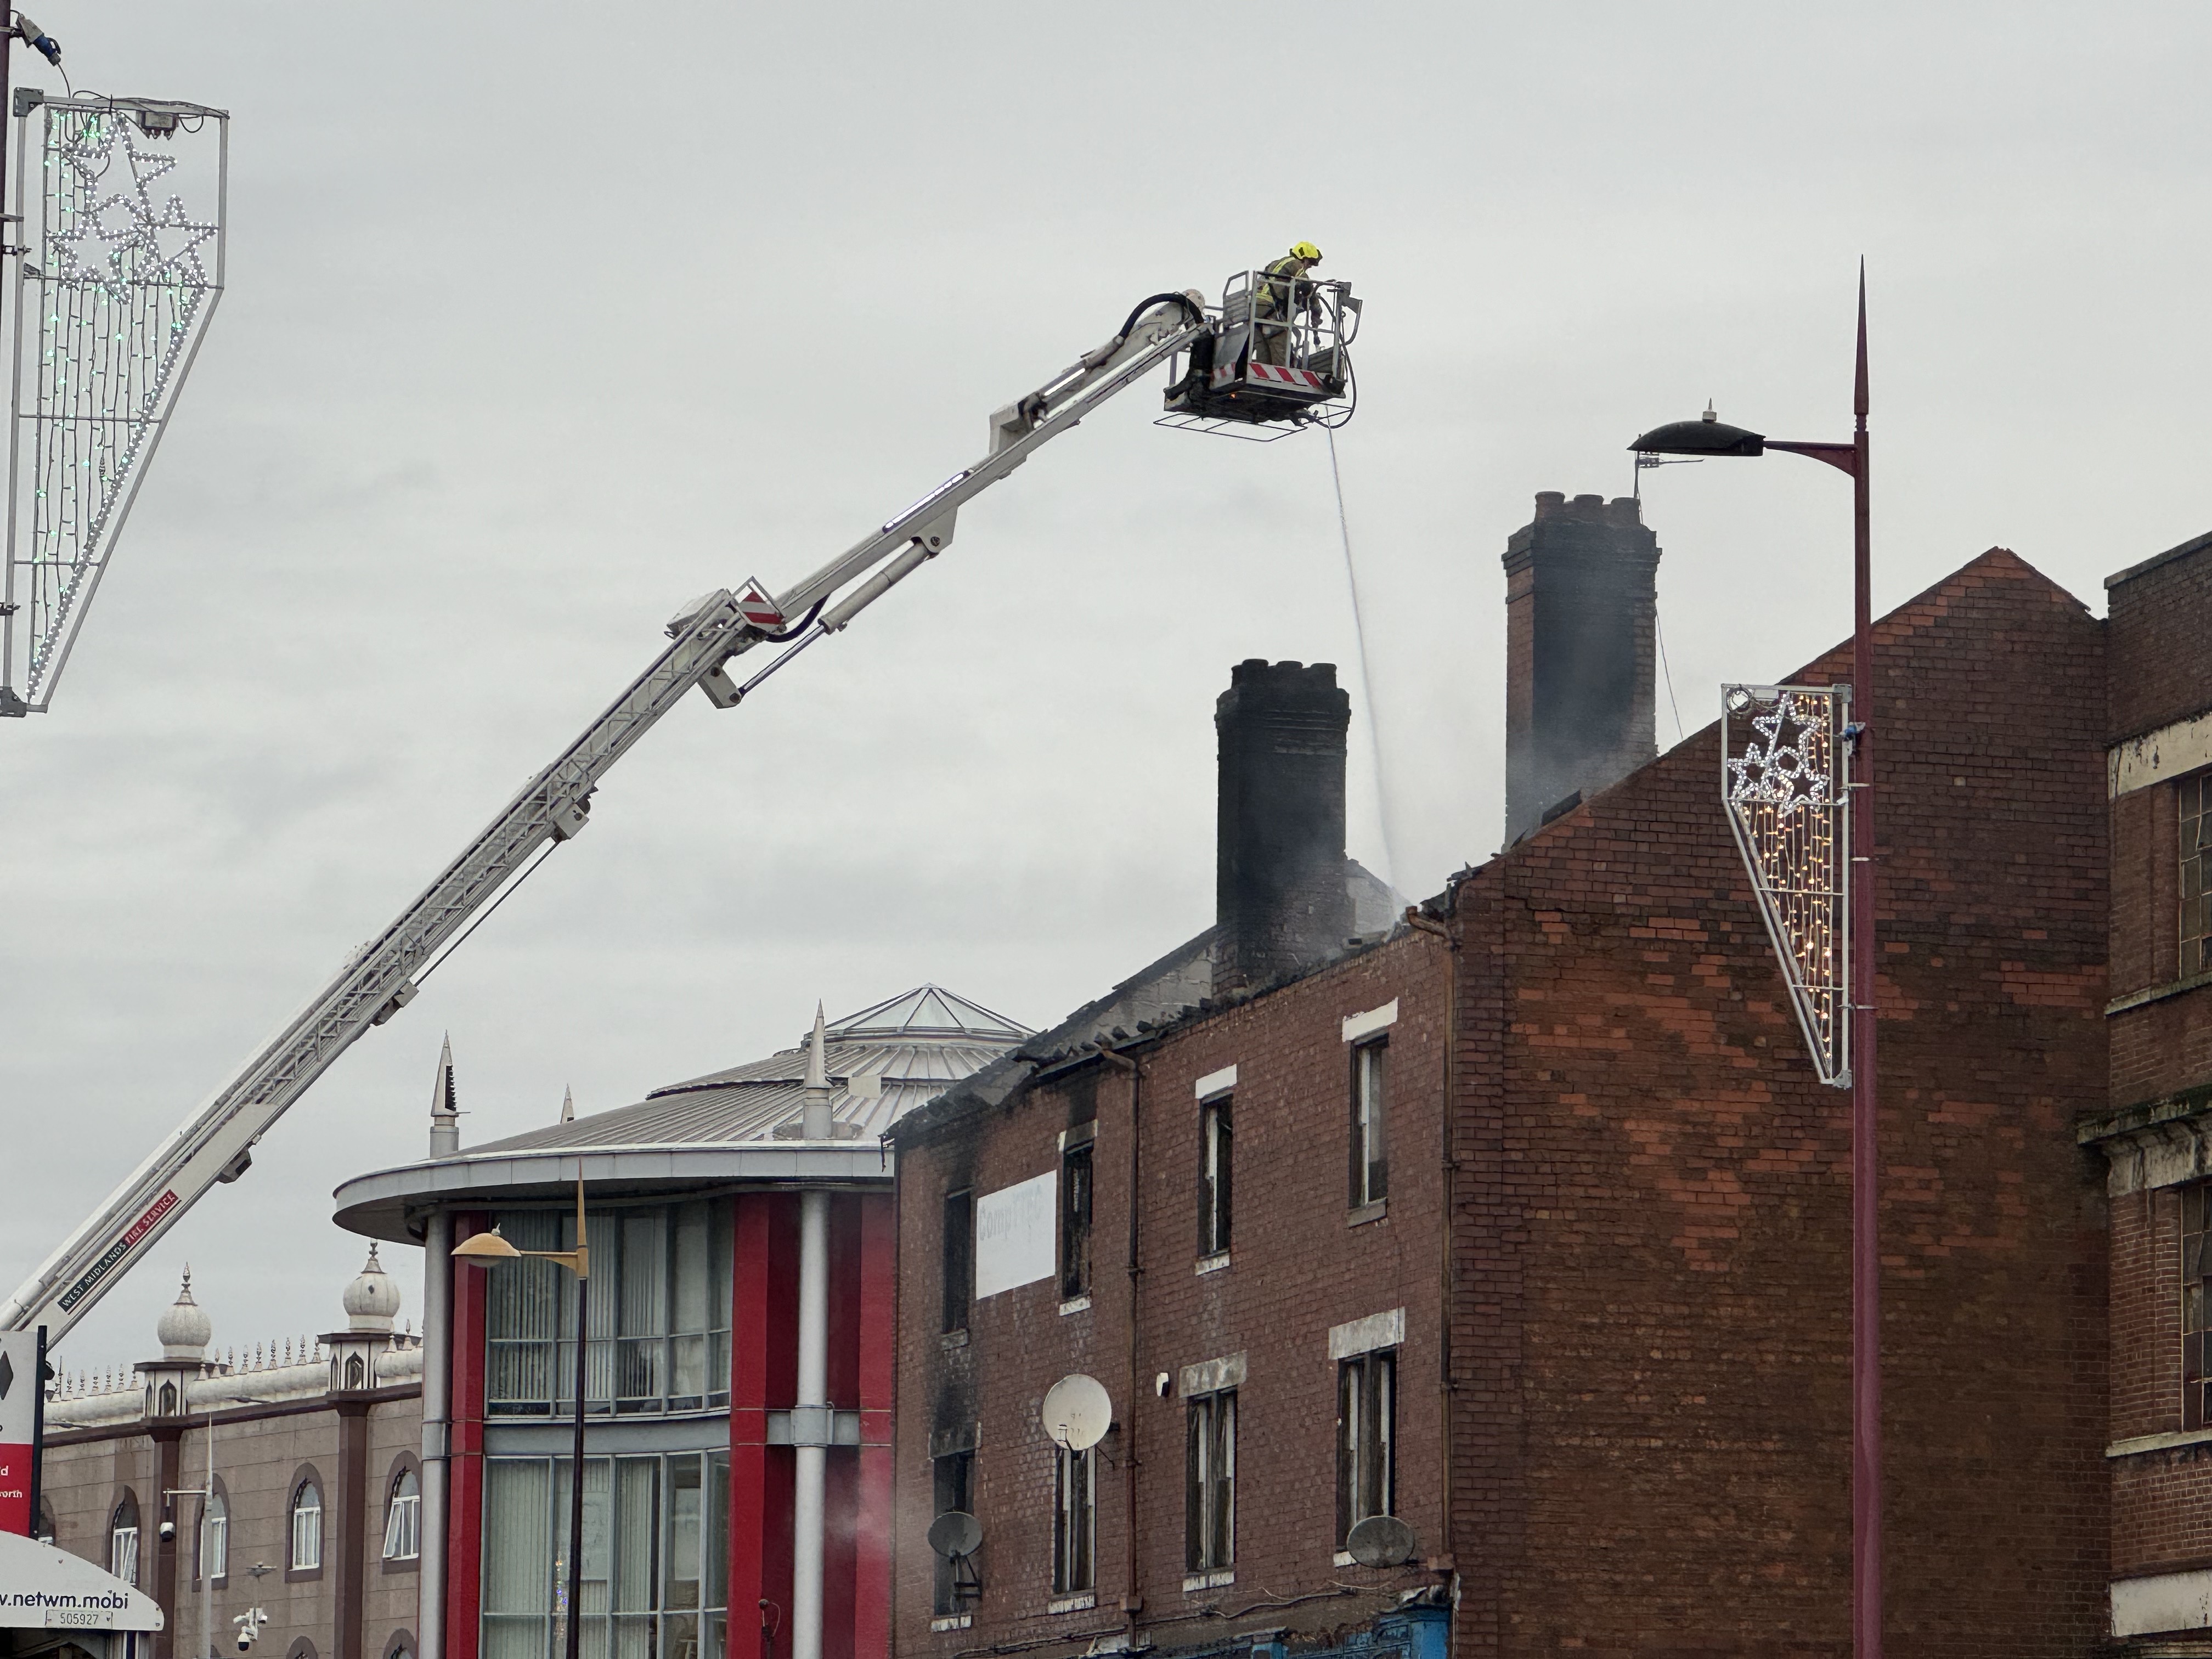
{"points": [[1371, 1162], [1217, 1145], [1075, 1221], [959, 1265], [1210, 1483], [1074, 1521], [2196, 875], [1366, 1439], [954, 1475], [2196, 1268]]}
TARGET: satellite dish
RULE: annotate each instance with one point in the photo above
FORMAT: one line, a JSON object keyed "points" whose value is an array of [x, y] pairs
{"points": [[1382, 1541], [1076, 1411], [955, 1533]]}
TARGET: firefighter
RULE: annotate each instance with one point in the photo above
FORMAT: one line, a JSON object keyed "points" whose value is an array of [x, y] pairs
{"points": [[1280, 297]]}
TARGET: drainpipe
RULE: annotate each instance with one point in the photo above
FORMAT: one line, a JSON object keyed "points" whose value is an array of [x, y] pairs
{"points": [[810, 1416], [437, 1396], [1423, 923], [1133, 1601]]}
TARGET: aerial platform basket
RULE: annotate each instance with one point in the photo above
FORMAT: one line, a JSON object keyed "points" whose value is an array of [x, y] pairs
{"points": [[1275, 361]]}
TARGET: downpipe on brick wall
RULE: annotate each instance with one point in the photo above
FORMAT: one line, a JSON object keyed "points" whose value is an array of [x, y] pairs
{"points": [[1133, 1601], [1445, 1558]]}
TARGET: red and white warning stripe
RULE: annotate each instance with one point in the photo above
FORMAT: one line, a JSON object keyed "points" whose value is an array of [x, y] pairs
{"points": [[756, 608], [1276, 374]]}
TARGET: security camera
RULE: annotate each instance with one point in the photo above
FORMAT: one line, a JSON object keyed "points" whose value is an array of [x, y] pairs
{"points": [[245, 1639], [168, 1530]]}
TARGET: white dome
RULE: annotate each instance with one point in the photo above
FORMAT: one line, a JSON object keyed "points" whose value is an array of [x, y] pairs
{"points": [[372, 1297], [184, 1330]]}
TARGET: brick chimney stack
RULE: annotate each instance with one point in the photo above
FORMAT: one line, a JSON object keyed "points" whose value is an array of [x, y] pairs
{"points": [[1581, 604], [1280, 901]]}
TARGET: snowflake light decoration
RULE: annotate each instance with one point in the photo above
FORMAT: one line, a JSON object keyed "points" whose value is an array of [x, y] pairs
{"points": [[1786, 785], [114, 294]]}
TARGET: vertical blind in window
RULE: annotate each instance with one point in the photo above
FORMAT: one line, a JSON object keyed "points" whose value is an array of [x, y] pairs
{"points": [[660, 1340], [307, 1528], [655, 1567]]}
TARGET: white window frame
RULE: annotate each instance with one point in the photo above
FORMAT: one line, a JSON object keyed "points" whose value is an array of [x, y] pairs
{"points": [[1074, 1522], [215, 1537], [306, 1516], [403, 1519]]}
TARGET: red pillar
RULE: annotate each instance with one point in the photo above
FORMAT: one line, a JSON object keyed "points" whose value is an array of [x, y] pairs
{"points": [[763, 1377], [466, 1479], [877, 1296]]}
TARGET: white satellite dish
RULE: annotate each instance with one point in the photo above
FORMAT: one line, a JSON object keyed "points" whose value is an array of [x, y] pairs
{"points": [[1382, 1541], [1076, 1411]]}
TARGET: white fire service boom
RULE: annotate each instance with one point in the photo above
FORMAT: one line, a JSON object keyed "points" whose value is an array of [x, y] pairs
{"points": [[215, 1143]]}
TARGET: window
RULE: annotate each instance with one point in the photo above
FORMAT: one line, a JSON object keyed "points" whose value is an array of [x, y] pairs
{"points": [[660, 1340], [1210, 1483], [307, 1528], [2196, 875], [954, 1476], [959, 1258], [2196, 1268], [215, 1539], [403, 1519], [1366, 1435], [1371, 1161], [1075, 1222], [123, 1539], [1074, 1519], [166, 1406], [356, 1372], [656, 1556], [1216, 1145]]}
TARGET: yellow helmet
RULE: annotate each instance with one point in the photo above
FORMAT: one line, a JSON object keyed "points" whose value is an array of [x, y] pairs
{"points": [[1305, 251]]}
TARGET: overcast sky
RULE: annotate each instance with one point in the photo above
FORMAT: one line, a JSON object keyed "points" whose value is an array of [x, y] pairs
{"points": [[541, 320]]}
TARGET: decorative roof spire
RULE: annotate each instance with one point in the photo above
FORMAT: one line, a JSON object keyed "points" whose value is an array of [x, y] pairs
{"points": [[372, 1297], [567, 1104], [814, 1119], [445, 1105]]}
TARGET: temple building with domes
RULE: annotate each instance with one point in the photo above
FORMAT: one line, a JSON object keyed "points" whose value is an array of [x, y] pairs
{"points": [[738, 1354]]}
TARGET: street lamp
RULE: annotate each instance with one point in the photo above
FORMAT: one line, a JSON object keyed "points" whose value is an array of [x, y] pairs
{"points": [[1709, 437], [484, 1251]]}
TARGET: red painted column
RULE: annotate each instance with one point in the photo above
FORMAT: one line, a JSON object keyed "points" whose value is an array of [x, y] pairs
{"points": [[878, 1300], [466, 1480], [763, 1377]]}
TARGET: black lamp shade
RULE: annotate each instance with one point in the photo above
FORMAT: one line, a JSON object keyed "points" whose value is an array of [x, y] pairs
{"points": [[1699, 438]]}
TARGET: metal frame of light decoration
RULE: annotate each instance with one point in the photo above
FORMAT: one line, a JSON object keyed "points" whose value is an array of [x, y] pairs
{"points": [[114, 289], [1786, 783]]}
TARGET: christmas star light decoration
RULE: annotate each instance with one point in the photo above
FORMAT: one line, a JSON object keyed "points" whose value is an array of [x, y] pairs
{"points": [[115, 235], [1787, 790]]}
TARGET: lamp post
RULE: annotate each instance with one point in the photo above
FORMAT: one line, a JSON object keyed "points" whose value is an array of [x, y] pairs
{"points": [[1709, 437], [482, 1251]]}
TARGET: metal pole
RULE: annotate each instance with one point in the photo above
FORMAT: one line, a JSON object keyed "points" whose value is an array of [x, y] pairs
{"points": [[812, 1419], [576, 1466], [207, 1567], [437, 1362], [1866, 1196]]}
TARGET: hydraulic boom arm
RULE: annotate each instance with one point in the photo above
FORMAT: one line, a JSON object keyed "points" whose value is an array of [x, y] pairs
{"points": [[215, 1143]]}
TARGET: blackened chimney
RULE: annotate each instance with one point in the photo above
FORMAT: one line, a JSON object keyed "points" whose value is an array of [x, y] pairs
{"points": [[1280, 901], [1580, 601]]}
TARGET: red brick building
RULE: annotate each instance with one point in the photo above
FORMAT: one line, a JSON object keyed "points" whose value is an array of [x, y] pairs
{"points": [[1526, 1221], [2153, 1136]]}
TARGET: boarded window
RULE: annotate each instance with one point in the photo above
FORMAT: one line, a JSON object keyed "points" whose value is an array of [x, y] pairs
{"points": [[1370, 1158], [959, 1258], [1366, 1439], [1210, 1483], [1216, 1143], [1075, 1221]]}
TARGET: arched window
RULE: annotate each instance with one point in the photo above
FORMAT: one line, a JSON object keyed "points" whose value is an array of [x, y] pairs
{"points": [[167, 1406], [356, 1373], [215, 1538], [403, 1519], [123, 1539], [306, 1527]]}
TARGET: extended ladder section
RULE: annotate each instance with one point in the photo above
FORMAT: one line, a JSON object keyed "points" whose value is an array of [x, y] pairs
{"points": [[215, 1143]]}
